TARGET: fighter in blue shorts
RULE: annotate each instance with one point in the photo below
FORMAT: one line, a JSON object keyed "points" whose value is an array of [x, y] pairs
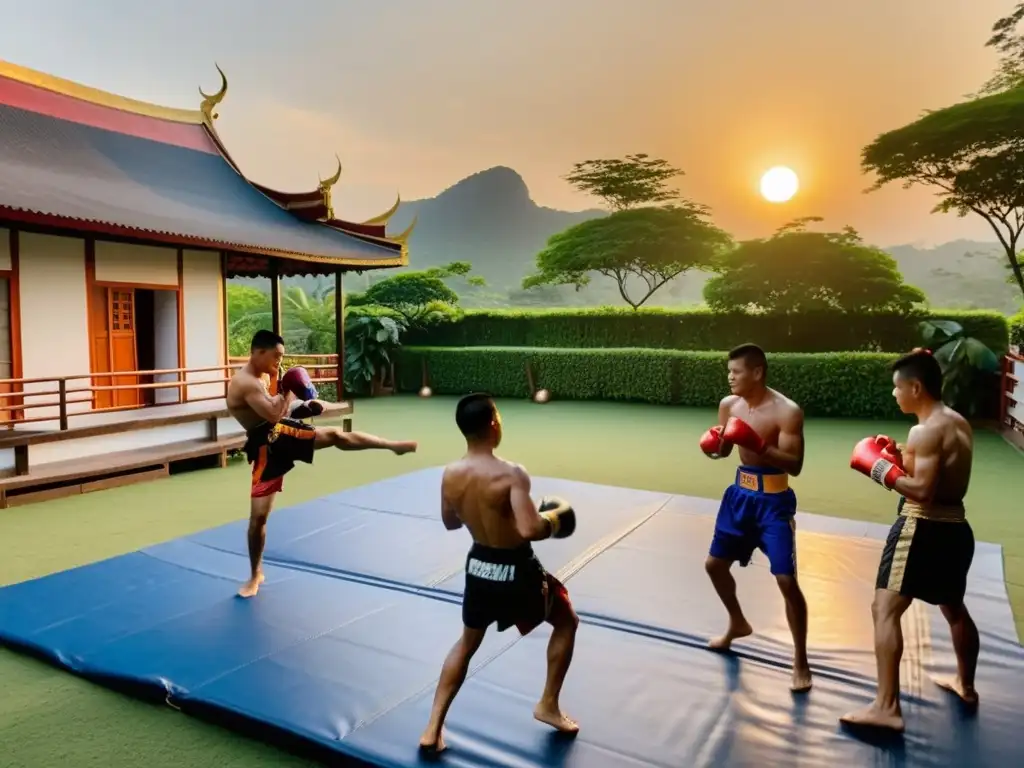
{"points": [[757, 511]]}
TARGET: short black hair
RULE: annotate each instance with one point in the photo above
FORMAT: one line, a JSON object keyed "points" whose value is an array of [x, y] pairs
{"points": [[474, 414], [921, 365], [752, 355], [265, 339]]}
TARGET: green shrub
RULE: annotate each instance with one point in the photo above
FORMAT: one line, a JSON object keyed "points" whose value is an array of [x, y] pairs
{"points": [[700, 330], [1017, 329], [848, 384]]}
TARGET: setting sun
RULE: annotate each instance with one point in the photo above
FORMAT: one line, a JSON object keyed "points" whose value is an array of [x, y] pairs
{"points": [[779, 184]]}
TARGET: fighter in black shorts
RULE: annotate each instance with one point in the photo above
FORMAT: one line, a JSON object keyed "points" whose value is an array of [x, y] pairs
{"points": [[505, 582], [930, 546], [275, 442]]}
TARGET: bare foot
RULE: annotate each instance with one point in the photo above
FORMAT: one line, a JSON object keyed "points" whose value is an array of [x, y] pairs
{"points": [[554, 717], [801, 679], [875, 717], [252, 586], [735, 632], [967, 695], [432, 743], [406, 446]]}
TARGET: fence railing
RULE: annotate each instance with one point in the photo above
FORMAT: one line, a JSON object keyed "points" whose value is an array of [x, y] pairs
{"points": [[322, 368], [1011, 393], [58, 398]]}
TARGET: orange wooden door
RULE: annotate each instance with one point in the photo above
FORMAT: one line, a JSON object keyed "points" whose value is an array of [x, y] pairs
{"points": [[123, 353], [99, 323]]}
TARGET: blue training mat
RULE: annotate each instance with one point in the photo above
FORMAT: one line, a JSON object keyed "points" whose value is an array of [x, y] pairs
{"points": [[339, 654]]}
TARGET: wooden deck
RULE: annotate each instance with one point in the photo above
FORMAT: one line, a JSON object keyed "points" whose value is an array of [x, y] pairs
{"points": [[94, 473], [56, 479]]}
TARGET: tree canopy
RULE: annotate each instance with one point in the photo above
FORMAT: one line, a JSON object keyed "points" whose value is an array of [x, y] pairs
{"points": [[650, 245], [625, 183], [419, 294], [972, 155], [1010, 44], [795, 270]]}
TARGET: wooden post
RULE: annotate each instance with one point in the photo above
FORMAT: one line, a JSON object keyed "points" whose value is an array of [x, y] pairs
{"points": [[339, 333], [62, 389], [225, 314], [275, 297]]}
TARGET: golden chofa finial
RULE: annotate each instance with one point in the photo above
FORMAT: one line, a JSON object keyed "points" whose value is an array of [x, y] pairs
{"points": [[383, 218], [325, 188], [403, 237], [211, 101]]}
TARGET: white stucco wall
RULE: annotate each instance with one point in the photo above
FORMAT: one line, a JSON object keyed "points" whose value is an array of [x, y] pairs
{"points": [[146, 265], [204, 320], [165, 331], [54, 319]]}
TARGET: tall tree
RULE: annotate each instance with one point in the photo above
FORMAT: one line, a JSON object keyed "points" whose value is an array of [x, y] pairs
{"points": [[799, 271], [625, 183], [418, 295], [649, 245], [1010, 44], [972, 154]]}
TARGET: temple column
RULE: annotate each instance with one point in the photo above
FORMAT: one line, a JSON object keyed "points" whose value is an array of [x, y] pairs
{"points": [[275, 296], [339, 331]]}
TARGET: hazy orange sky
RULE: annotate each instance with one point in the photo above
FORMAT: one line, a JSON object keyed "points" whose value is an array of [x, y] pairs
{"points": [[414, 95]]}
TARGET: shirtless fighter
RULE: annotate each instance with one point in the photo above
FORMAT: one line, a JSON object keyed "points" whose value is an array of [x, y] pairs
{"points": [[930, 546], [505, 582], [757, 511], [275, 441]]}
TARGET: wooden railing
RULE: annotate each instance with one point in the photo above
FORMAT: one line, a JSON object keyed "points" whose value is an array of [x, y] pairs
{"points": [[1011, 393], [322, 368], [20, 399]]}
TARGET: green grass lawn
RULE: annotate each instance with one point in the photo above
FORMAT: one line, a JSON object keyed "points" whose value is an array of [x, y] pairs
{"points": [[50, 718]]}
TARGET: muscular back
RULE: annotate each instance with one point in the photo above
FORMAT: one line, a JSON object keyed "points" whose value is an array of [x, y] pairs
{"points": [[478, 489], [945, 440]]}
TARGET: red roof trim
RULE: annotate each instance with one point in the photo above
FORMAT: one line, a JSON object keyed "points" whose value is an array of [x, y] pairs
{"points": [[44, 102]]}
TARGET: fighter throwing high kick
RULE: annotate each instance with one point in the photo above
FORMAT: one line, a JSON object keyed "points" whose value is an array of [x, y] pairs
{"points": [[757, 511], [276, 439]]}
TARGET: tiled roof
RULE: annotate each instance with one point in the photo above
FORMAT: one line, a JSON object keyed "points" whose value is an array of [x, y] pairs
{"points": [[166, 178]]}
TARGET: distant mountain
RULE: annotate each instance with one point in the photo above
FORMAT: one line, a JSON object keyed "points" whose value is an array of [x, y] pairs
{"points": [[962, 274], [490, 220]]}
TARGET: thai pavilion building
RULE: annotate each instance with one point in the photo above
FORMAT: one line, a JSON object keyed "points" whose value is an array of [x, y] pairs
{"points": [[120, 223]]}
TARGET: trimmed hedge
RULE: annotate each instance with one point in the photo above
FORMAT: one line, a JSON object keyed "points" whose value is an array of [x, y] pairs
{"points": [[848, 384], [1017, 329], [699, 330]]}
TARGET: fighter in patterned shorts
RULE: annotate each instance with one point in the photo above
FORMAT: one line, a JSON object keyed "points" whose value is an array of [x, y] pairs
{"points": [[276, 438], [758, 511], [505, 582], [930, 546]]}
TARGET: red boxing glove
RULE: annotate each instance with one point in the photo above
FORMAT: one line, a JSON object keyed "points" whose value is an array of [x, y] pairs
{"points": [[297, 381], [742, 434], [874, 460], [890, 451], [711, 442]]}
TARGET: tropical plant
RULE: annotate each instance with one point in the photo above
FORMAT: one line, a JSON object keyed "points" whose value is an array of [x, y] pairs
{"points": [[966, 363], [370, 342]]}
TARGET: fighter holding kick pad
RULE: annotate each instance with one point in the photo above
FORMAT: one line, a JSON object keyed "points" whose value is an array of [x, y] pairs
{"points": [[505, 582], [757, 511]]}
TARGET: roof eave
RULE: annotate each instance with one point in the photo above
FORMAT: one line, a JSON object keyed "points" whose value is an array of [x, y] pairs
{"points": [[400, 258]]}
